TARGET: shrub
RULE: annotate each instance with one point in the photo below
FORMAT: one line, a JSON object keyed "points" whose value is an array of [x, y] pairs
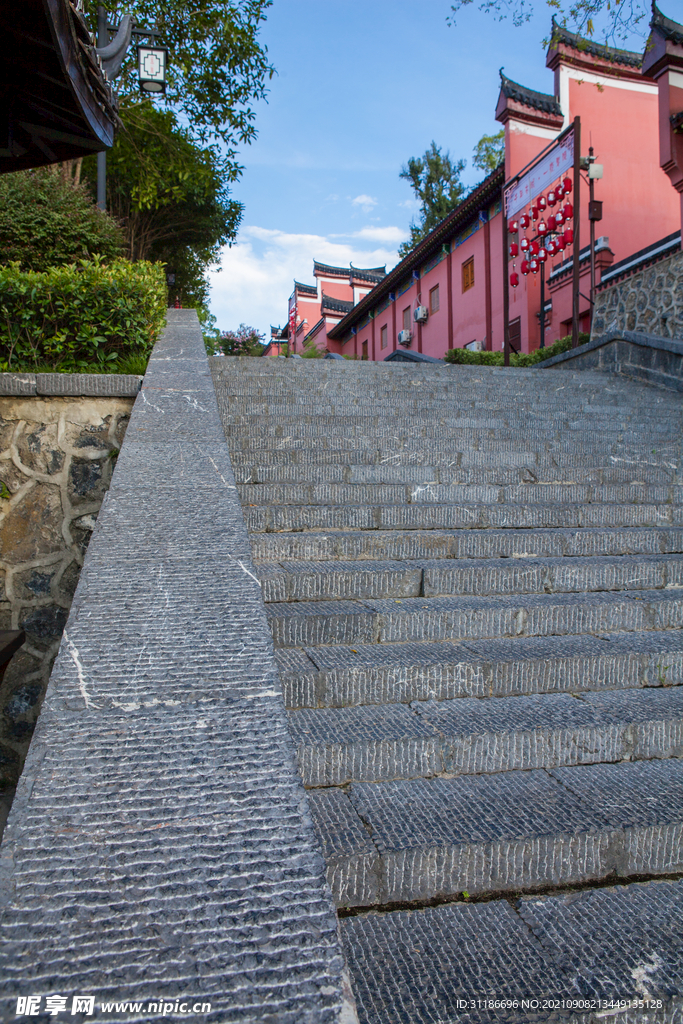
{"points": [[87, 317], [245, 341], [463, 356], [46, 220]]}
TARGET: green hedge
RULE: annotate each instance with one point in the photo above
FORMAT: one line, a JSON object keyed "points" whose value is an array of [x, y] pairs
{"points": [[462, 355], [86, 317]]}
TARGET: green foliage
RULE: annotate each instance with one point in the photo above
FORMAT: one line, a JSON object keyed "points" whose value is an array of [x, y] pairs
{"points": [[435, 180], [171, 197], [245, 341], [311, 351], [47, 220], [489, 152], [463, 356], [87, 317], [216, 68]]}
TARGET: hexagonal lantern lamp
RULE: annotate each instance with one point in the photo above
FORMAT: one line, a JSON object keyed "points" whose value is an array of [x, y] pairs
{"points": [[152, 68]]}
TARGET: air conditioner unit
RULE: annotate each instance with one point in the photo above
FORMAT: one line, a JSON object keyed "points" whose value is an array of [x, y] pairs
{"points": [[405, 337], [420, 315]]}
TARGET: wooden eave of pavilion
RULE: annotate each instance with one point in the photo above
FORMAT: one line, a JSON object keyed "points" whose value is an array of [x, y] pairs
{"points": [[481, 197], [55, 101]]}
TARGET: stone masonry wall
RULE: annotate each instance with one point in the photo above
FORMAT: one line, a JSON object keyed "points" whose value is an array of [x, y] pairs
{"points": [[650, 301], [57, 455]]}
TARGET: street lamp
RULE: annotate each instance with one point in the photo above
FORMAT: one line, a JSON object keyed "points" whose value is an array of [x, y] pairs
{"points": [[152, 68], [152, 61]]}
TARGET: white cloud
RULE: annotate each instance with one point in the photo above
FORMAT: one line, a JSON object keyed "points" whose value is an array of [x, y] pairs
{"points": [[257, 273], [366, 203], [390, 235]]}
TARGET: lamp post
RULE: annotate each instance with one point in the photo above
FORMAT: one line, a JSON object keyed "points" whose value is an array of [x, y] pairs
{"points": [[152, 61], [594, 214]]}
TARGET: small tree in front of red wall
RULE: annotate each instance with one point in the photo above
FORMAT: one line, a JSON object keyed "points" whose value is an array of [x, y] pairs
{"points": [[245, 341]]}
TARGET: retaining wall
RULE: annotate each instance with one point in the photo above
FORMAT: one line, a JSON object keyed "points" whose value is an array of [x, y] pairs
{"points": [[160, 846], [643, 357], [59, 437], [648, 301]]}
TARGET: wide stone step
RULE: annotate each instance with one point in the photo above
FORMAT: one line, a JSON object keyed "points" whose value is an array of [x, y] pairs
{"points": [[416, 840], [395, 545], [451, 431], [472, 736], [431, 492], [336, 580], [532, 958], [365, 674], [467, 445], [445, 473], [420, 620], [286, 518]]}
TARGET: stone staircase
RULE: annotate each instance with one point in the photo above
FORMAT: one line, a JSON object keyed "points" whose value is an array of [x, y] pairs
{"points": [[474, 580]]}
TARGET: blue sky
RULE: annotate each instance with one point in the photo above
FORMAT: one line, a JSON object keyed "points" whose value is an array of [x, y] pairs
{"points": [[360, 88]]}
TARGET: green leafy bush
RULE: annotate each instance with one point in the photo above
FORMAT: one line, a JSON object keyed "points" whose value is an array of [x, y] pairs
{"points": [[88, 317], [463, 356], [46, 220]]}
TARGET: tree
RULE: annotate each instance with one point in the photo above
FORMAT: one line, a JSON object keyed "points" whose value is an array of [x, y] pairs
{"points": [[245, 341], [489, 151], [216, 68], [48, 219], [435, 180], [170, 195], [619, 17]]}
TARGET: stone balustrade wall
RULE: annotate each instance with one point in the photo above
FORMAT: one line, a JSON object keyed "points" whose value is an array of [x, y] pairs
{"points": [[59, 439]]}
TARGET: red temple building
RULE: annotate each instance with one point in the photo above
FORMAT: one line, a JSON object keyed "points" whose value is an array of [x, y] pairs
{"points": [[448, 292], [314, 309]]}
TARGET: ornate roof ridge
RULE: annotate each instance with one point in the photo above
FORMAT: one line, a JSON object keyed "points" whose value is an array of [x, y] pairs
{"points": [[561, 34], [346, 271], [529, 97], [667, 28], [306, 287], [335, 305]]}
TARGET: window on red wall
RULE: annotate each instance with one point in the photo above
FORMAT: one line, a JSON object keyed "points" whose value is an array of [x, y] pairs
{"points": [[384, 336], [406, 318], [434, 299], [468, 274]]}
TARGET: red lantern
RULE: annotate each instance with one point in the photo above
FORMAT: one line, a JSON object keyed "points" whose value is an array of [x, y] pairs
{"points": [[567, 185], [552, 222], [568, 211], [524, 267], [541, 203], [534, 213], [550, 248], [524, 221], [533, 266], [552, 198], [568, 236], [559, 243], [542, 228], [559, 191], [513, 227], [542, 255], [514, 250], [559, 218], [524, 244], [534, 247], [514, 280]]}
